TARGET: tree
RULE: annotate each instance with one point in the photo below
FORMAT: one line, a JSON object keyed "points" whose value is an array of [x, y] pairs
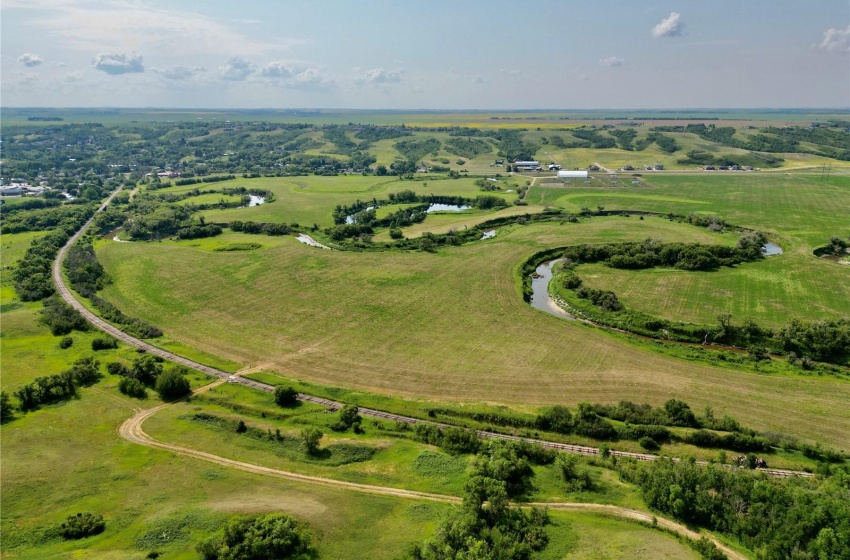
{"points": [[7, 410], [285, 396], [349, 415], [172, 384], [132, 388], [146, 369], [311, 438], [275, 535]]}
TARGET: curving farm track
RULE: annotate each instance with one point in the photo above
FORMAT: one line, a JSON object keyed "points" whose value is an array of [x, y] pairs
{"points": [[104, 326], [132, 431]]}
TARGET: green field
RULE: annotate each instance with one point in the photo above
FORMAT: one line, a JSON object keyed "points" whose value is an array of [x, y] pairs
{"points": [[471, 337], [309, 200], [405, 331]]}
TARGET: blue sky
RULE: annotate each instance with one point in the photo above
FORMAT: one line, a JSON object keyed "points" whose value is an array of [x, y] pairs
{"points": [[426, 55]]}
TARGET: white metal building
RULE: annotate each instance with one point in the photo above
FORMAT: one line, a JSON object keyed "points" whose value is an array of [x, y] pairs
{"points": [[569, 174], [527, 164]]}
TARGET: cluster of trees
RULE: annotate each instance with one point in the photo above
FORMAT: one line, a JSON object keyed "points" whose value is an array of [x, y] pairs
{"points": [[61, 386], [467, 147], [378, 133], [486, 525], [750, 159], [256, 227], [147, 371], [777, 518], [597, 139], [43, 219], [32, 274], [624, 136], [212, 179], [349, 419], [685, 256], [60, 317], [197, 231], [665, 143], [456, 441], [415, 150], [274, 535], [512, 146], [605, 300]]}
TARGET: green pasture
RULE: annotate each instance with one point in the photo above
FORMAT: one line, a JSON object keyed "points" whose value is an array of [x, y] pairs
{"points": [[446, 326], [771, 292], [311, 199], [210, 198]]}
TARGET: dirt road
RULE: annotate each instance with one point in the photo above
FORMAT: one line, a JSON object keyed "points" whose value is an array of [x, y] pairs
{"points": [[131, 430]]}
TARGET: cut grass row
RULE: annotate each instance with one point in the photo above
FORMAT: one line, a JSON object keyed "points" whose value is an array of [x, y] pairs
{"points": [[449, 326]]}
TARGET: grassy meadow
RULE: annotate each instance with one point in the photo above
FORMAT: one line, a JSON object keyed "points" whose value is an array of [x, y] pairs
{"points": [[445, 326]]}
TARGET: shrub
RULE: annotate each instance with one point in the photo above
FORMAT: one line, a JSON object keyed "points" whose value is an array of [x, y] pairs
{"points": [[649, 444], [82, 525], [66, 342], [285, 396], [311, 438], [117, 368], [104, 343], [132, 388], [348, 416], [172, 384], [275, 535]]}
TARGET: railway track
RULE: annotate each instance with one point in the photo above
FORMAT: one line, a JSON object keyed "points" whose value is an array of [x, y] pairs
{"points": [[106, 327]]}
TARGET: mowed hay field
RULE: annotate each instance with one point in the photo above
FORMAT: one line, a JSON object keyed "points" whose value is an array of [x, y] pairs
{"points": [[444, 326]]}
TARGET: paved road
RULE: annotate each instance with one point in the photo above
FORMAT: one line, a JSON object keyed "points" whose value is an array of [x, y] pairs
{"points": [[104, 326]]}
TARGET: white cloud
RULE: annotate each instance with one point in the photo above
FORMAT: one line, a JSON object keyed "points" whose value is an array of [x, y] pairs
{"points": [[30, 59], [836, 40], [297, 74], [114, 63], [236, 69], [124, 25], [378, 76], [180, 72], [511, 71], [612, 61], [672, 26]]}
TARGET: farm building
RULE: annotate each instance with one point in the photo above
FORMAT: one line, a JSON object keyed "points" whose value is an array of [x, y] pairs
{"points": [[572, 174], [527, 164]]}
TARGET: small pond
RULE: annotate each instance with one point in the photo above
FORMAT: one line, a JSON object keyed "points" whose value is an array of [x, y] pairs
{"points": [[447, 208], [256, 200], [540, 298], [771, 249], [489, 234]]}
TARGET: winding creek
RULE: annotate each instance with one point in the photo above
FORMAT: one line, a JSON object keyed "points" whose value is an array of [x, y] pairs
{"points": [[540, 298]]}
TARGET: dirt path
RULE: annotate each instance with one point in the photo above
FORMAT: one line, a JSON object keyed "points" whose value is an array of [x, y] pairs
{"points": [[131, 430]]}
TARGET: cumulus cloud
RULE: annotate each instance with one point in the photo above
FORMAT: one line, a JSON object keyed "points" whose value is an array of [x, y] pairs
{"points": [[836, 40], [380, 76], [115, 64], [29, 60], [236, 69], [612, 61], [180, 72], [672, 26], [297, 74]]}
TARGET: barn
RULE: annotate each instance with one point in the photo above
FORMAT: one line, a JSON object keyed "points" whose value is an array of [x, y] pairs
{"points": [[567, 174]]}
